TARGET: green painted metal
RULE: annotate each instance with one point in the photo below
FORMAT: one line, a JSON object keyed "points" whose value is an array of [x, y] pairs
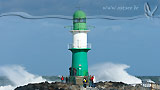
{"points": [[79, 14], [79, 61], [79, 20], [79, 55]]}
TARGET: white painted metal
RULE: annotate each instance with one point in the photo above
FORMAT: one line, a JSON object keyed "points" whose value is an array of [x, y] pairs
{"points": [[79, 38]]}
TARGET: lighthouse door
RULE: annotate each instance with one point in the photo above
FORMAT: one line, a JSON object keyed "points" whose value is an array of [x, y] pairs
{"points": [[80, 70]]}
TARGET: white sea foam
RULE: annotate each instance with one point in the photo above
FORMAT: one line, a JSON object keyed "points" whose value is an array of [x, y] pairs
{"points": [[18, 76], [149, 81], [9, 87], [113, 72], [103, 72]]}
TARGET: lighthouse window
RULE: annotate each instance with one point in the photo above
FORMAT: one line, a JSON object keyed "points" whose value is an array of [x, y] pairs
{"points": [[76, 20], [84, 20], [79, 20]]}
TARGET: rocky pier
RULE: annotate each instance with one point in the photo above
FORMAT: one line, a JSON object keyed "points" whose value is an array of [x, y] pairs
{"points": [[67, 86]]}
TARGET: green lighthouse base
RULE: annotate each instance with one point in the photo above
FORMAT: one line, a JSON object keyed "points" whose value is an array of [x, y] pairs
{"points": [[79, 62], [79, 68]]}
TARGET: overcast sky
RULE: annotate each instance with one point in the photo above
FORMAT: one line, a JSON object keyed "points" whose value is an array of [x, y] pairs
{"points": [[41, 45], [117, 8]]}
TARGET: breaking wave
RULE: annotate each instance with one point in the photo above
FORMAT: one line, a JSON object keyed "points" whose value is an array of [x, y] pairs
{"points": [[18, 76], [113, 72]]}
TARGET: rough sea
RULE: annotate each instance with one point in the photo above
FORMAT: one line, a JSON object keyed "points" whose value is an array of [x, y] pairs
{"points": [[15, 75]]}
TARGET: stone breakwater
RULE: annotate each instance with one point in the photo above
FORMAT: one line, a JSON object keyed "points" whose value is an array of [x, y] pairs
{"points": [[67, 86]]}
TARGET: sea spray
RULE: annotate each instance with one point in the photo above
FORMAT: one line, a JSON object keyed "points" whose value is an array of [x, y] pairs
{"points": [[18, 76], [113, 72], [8, 87]]}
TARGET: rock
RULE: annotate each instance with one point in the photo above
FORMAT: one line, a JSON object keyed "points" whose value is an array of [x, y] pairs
{"points": [[117, 86], [66, 86], [49, 86]]}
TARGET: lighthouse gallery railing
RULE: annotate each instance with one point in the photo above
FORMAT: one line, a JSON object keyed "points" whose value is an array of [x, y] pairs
{"points": [[70, 46]]}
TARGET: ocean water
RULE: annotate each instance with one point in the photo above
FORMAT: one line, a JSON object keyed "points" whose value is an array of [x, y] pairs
{"points": [[4, 81], [15, 75], [107, 71]]}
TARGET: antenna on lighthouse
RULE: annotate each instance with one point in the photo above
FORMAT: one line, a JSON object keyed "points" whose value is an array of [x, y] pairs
{"points": [[78, 7]]}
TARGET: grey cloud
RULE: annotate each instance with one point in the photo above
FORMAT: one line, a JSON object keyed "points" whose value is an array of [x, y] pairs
{"points": [[115, 8]]}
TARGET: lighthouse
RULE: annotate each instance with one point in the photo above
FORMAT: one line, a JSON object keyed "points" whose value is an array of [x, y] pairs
{"points": [[79, 47]]}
